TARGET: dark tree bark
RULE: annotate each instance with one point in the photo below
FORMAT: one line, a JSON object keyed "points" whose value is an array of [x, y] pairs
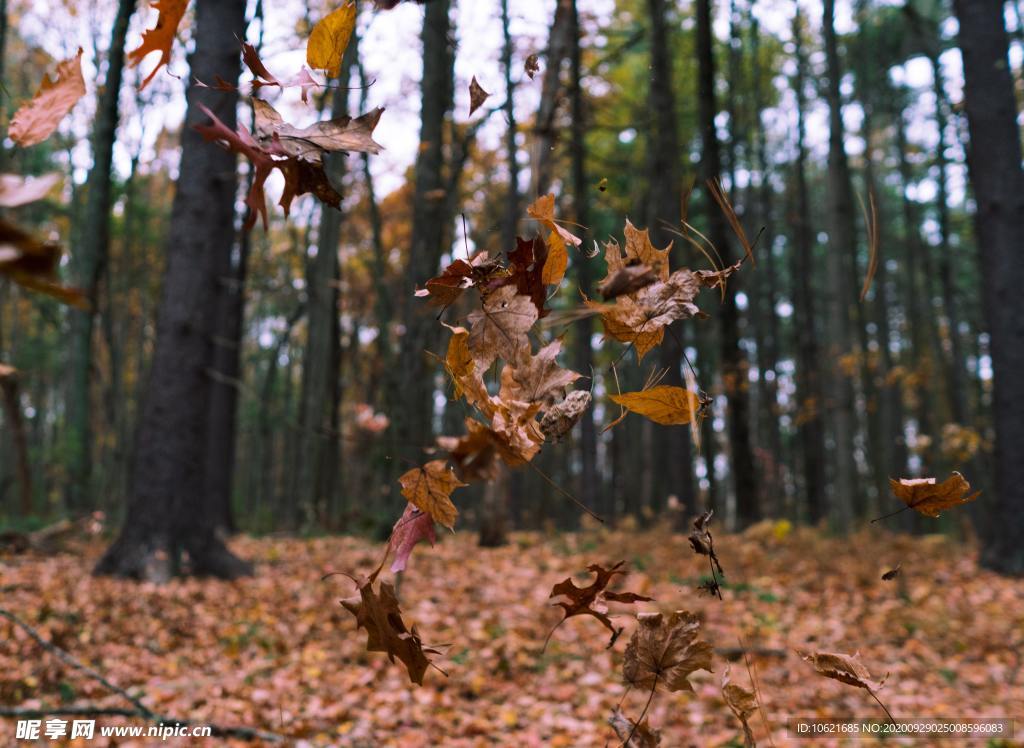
{"points": [[733, 360], [589, 489], [998, 180], [89, 261], [559, 43], [412, 393], [674, 468], [169, 526], [841, 250]]}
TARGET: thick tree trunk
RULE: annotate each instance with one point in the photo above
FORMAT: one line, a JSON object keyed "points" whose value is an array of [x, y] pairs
{"points": [[733, 360], [169, 527], [841, 249], [89, 260], [998, 180], [674, 468]]}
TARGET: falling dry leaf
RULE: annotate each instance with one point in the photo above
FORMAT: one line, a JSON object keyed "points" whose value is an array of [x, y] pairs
{"points": [[17, 190], [430, 488], [891, 574], [742, 703], [664, 404], [543, 211], [590, 600], [160, 38], [263, 77], [477, 96], [843, 668], [380, 615], [537, 378], [663, 653], [559, 420], [532, 65], [634, 735], [329, 39], [37, 118], [927, 497], [412, 527], [500, 327]]}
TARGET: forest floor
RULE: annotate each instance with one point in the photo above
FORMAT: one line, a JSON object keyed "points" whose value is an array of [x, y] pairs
{"points": [[277, 652]]}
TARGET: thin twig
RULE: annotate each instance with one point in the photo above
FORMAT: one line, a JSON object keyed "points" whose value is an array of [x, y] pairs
{"points": [[650, 698], [565, 493]]}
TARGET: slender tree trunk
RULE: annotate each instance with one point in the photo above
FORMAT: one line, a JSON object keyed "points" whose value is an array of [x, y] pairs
{"points": [[412, 394], [733, 360], [589, 489], [168, 516], [809, 417], [998, 180], [841, 248], [674, 463], [9, 400], [90, 259]]}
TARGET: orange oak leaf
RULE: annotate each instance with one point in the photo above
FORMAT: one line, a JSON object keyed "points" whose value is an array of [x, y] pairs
{"points": [[664, 652], [927, 497], [160, 38], [429, 488], [329, 39], [38, 117], [380, 615], [590, 600], [664, 404]]}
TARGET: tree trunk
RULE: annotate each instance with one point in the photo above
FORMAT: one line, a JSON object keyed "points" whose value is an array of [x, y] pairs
{"points": [[733, 360], [412, 394], [995, 170], [841, 248], [89, 261], [168, 516], [674, 469], [559, 43]]}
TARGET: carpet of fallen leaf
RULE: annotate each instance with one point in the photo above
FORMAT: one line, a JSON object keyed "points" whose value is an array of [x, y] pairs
{"points": [[278, 652]]}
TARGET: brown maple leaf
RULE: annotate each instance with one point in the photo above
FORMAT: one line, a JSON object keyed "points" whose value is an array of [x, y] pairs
{"points": [[380, 615], [526, 270], [38, 117], [742, 703], [663, 653], [927, 497], [500, 327], [590, 600], [537, 378], [429, 488], [477, 96], [160, 38]]}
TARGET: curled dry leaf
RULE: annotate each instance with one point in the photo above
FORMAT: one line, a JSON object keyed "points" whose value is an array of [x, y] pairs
{"points": [[844, 668], [703, 544], [380, 615], [429, 488], [590, 600], [537, 378], [634, 735], [532, 65], [412, 527], [38, 117], [160, 38], [526, 265], [543, 211], [891, 574], [499, 328], [329, 39], [626, 280], [742, 703], [477, 96], [559, 420], [664, 652], [263, 77], [664, 404], [927, 497]]}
